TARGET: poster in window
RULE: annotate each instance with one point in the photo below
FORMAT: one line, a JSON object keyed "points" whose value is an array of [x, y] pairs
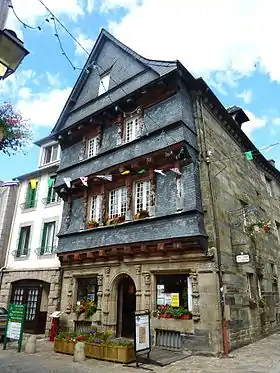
{"points": [[175, 300], [91, 296], [160, 295], [168, 298], [142, 332]]}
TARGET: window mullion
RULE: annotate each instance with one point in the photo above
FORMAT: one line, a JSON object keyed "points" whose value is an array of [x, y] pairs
{"points": [[144, 196]]}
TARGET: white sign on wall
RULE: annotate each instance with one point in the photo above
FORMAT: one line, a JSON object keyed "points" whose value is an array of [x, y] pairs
{"points": [[242, 258]]}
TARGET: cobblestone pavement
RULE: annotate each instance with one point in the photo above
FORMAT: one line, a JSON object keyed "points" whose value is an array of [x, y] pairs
{"points": [[260, 357]]}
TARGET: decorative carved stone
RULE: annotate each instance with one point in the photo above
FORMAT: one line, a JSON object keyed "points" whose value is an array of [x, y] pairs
{"points": [[195, 297], [99, 280], [138, 270], [107, 271]]}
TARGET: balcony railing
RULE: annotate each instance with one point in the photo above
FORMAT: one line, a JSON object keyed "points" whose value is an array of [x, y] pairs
{"points": [[52, 199], [28, 205], [41, 251], [21, 253]]}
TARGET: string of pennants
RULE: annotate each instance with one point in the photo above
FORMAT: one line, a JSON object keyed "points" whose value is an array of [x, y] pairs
{"points": [[84, 179]]}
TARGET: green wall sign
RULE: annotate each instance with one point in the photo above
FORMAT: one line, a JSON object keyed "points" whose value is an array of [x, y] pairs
{"points": [[15, 324]]}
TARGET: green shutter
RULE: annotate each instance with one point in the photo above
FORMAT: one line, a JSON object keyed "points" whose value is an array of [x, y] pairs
{"points": [[49, 196], [19, 248], [44, 236], [31, 196]]}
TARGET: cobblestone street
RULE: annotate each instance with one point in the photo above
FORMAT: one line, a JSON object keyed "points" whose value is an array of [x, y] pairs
{"points": [[260, 357]]}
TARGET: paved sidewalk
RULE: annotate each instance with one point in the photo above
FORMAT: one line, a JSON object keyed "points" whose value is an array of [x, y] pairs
{"points": [[260, 357]]}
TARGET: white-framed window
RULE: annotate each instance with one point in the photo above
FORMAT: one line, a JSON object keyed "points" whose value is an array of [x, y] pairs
{"points": [[95, 208], [104, 84], [50, 154], [92, 147], [131, 129], [117, 202], [142, 196]]}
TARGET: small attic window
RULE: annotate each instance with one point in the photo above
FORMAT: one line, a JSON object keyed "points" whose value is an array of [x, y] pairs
{"points": [[104, 84]]}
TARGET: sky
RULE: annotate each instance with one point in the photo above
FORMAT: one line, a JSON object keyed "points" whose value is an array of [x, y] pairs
{"points": [[233, 45]]}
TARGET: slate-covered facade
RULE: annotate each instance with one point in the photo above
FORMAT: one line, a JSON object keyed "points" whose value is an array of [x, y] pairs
{"points": [[142, 219]]}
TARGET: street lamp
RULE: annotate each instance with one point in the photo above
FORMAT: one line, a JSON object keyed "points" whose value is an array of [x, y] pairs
{"points": [[12, 52]]}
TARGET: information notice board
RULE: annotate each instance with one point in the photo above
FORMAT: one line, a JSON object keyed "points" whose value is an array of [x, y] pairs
{"points": [[15, 324], [142, 335]]}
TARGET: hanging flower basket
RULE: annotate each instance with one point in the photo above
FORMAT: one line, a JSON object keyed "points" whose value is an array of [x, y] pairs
{"points": [[87, 306], [15, 133], [115, 220], [258, 227]]}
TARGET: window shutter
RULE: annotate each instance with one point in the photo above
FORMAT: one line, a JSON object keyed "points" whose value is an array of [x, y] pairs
{"points": [[49, 196], [20, 241], [44, 236]]}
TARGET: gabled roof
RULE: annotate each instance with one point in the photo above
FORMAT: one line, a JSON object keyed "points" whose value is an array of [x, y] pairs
{"points": [[159, 67]]}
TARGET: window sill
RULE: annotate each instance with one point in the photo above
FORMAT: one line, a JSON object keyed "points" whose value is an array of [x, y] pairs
{"points": [[49, 164], [52, 204], [21, 258], [176, 325], [30, 209], [127, 222], [45, 255]]}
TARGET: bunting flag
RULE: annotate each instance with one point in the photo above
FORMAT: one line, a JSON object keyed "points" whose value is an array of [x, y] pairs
{"points": [[160, 172], [126, 172], [33, 183], [67, 181], [50, 182], [249, 156], [105, 177], [141, 171], [84, 180], [176, 171]]}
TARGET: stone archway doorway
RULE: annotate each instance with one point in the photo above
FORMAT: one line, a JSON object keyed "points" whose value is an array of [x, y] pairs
{"points": [[126, 307]]}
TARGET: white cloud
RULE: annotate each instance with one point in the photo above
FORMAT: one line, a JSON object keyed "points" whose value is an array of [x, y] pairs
{"points": [[86, 42], [206, 36], [115, 4], [90, 5], [24, 93], [53, 79], [246, 95], [254, 123], [43, 109], [276, 121]]}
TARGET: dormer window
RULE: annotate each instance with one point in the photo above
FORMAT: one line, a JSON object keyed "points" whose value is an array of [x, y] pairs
{"points": [[104, 84], [131, 129], [50, 154], [92, 147]]}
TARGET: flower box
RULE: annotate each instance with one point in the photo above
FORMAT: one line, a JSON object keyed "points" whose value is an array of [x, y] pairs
{"points": [[95, 351], [120, 354], [64, 347]]}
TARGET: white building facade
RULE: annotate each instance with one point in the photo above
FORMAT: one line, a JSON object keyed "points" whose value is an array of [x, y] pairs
{"points": [[32, 269]]}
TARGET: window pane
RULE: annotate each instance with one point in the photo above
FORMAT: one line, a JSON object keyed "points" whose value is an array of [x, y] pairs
{"points": [[93, 209], [87, 288], [54, 153], [92, 147], [123, 196], [48, 154], [104, 84], [168, 284]]}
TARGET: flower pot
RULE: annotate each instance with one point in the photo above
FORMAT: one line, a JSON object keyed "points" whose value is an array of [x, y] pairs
{"points": [[95, 351], [120, 354], [167, 316], [185, 317], [64, 347]]}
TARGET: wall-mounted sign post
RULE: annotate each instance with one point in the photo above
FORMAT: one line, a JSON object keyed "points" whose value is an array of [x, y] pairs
{"points": [[142, 335], [15, 324]]}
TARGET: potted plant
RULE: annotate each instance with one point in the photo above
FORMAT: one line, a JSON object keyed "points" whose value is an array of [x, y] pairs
{"points": [[116, 219], [186, 315], [86, 306], [92, 224], [142, 214], [65, 342]]}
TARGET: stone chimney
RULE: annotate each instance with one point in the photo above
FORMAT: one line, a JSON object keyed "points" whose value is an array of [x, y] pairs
{"points": [[272, 162]]}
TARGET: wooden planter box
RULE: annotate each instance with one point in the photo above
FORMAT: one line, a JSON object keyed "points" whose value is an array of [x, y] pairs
{"points": [[64, 347], [94, 351], [120, 354]]}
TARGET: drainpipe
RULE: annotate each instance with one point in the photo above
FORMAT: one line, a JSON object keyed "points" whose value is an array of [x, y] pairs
{"points": [[215, 222]]}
